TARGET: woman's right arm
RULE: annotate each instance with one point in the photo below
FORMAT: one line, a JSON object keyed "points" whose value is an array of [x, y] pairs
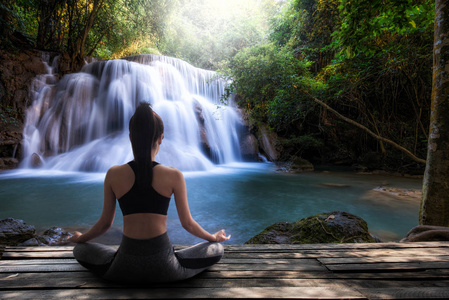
{"points": [[107, 216], [182, 206]]}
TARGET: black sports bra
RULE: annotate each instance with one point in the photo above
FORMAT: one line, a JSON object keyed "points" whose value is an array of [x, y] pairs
{"points": [[143, 201]]}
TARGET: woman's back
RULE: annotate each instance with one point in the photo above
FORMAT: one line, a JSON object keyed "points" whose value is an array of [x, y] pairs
{"points": [[142, 225]]}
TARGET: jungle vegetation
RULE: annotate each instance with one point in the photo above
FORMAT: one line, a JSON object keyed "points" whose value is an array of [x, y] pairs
{"points": [[370, 61]]}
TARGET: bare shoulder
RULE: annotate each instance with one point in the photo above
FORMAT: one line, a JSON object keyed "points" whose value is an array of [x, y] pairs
{"points": [[118, 168], [169, 172], [118, 171]]}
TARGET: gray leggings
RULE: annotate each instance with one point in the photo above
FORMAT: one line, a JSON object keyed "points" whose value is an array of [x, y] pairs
{"points": [[149, 260]]}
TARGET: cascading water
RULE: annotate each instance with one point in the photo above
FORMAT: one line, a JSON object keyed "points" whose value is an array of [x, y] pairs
{"points": [[81, 122]]}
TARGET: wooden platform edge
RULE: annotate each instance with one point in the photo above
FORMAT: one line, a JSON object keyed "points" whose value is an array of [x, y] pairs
{"points": [[240, 247]]}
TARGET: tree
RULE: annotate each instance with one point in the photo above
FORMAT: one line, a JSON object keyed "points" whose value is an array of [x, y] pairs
{"points": [[207, 32], [101, 28], [435, 201]]}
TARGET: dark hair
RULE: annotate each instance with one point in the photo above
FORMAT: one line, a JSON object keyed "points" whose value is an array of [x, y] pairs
{"points": [[145, 128]]}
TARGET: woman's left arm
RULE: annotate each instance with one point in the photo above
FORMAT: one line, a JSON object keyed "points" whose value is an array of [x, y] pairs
{"points": [[107, 216]]}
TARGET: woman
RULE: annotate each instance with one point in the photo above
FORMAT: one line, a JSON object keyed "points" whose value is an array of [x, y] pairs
{"points": [[143, 189]]}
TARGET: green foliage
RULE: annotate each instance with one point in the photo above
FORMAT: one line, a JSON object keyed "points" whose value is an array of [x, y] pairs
{"points": [[270, 82], [138, 27], [369, 60], [303, 143], [102, 28], [264, 76], [207, 32], [365, 22], [16, 22], [305, 27]]}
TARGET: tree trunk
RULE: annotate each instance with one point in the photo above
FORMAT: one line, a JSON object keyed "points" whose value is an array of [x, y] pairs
{"points": [[435, 203], [80, 41]]}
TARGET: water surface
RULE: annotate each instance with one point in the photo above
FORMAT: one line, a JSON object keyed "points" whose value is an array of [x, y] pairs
{"points": [[243, 198]]}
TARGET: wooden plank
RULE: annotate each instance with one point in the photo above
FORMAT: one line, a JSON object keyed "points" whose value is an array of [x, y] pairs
{"points": [[42, 268], [398, 283], [270, 261], [408, 293], [244, 292], [271, 247], [418, 275], [336, 254], [390, 245], [377, 267], [389, 252], [73, 267], [36, 262], [268, 274], [37, 254], [312, 265], [87, 280], [39, 248], [264, 254], [222, 261], [386, 259]]}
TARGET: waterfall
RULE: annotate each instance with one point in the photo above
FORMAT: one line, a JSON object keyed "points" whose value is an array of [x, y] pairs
{"points": [[80, 123]]}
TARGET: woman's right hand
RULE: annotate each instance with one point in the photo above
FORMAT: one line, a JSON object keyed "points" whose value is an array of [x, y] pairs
{"points": [[75, 237], [220, 236]]}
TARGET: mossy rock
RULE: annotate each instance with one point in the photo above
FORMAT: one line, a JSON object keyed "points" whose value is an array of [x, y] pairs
{"points": [[333, 227], [300, 165]]}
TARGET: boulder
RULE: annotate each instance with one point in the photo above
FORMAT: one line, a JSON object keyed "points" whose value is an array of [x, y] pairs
{"points": [[54, 236], [51, 237], [36, 160], [13, 232], [427, 233], [333, 227]]}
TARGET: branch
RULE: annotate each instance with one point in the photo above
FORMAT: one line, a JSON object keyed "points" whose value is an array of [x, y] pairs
{"points": [[410, 154]]}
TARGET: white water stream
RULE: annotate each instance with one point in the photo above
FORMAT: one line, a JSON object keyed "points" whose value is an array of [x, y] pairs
{"points": [[80, 123]]}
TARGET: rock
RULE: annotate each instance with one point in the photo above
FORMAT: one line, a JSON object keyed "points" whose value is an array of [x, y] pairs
{"points": [[249, 147], [36, 160], [268, 142], [333, 227], [52, 236], [400, 192], [13, 232], [427, 233], [55, 236], [31, 243], [295, 165], [10, 163], [300, 165], [278, 233]]}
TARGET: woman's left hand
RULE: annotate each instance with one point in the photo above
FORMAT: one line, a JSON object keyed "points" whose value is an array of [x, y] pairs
{"points": [[75, 237], [220, 236]]}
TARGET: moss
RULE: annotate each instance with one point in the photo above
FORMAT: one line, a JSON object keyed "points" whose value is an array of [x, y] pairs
{"points": [[333, 227]]}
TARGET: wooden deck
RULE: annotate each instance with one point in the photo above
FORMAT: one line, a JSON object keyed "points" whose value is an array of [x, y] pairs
{"points": [[325, 271]]}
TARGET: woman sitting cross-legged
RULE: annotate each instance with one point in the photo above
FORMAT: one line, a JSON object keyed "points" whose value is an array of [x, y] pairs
{"points": [[143, 189]]}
